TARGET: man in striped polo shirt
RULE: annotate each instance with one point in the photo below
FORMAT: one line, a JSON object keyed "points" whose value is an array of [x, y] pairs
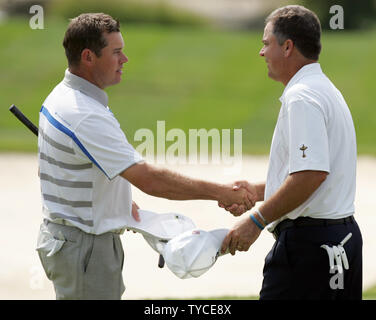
{"points": [[87, 167]]}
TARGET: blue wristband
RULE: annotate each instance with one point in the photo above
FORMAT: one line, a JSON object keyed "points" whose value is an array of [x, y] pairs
{"points": [[261, 216], [258, 224]]}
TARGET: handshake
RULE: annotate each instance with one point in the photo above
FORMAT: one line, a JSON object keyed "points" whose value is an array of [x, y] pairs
{"points": [[240, 197]]}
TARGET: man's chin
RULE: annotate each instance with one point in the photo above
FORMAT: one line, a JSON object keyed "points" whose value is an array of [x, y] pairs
{"points": [[272, 76], [112, 83], [117, 79]]}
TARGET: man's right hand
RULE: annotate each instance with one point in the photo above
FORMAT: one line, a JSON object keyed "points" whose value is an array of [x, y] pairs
{"points": [[237, 208], [239, 198]]}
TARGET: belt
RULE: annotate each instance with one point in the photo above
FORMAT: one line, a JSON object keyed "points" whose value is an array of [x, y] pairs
{"points": [[308, 222], [67, 223]]}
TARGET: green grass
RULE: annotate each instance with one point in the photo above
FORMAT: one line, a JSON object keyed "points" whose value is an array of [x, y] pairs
{"points": [[370, 294], [188, 77]]}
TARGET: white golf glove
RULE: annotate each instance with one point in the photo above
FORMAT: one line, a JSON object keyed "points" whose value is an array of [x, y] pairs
{"points": [[337, 254]]}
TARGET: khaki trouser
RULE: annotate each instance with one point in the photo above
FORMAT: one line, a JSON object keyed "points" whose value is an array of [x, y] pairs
{"points": [[81, 266]]}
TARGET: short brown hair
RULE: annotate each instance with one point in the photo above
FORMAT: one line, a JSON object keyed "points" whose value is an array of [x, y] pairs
{"points": [[86, 31], [300, 25]]}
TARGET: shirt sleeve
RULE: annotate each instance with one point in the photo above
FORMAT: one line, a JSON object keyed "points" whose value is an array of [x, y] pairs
{"points": [[308, 139], [106, 145]]}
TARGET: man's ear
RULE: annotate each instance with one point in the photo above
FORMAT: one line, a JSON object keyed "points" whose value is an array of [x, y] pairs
{"points": [[288, 48], [87, 57]]}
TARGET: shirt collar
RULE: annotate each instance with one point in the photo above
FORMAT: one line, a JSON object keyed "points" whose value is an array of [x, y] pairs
{"points": [[86, 87], [308, 69]]}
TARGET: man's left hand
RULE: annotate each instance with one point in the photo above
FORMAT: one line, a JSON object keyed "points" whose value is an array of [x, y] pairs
{"points": [[135, 213], [241, 236]]}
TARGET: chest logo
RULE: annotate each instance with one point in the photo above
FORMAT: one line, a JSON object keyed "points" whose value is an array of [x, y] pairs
{"points": [[303, 148]]}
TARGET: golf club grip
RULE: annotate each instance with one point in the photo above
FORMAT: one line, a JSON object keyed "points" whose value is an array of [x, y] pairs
{"points": [[20, 116], [161, 261]]}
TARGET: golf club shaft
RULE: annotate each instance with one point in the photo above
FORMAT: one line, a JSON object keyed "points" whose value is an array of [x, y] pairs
{"points": [[20, 116]]}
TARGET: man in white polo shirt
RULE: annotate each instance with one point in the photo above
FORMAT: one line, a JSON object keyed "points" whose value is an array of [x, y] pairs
{"points": [[87, 167], [310, 188]]}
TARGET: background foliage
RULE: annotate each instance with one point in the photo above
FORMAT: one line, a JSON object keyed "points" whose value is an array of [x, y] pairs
{"points": [[180, 70]]}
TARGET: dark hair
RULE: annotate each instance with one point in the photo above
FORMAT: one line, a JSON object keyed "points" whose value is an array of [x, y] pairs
{"points": [[300, 25], [86, 31]]}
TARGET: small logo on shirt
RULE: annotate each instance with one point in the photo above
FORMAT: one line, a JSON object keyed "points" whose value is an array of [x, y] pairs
{"points": [[62, 119], [303, 148]]}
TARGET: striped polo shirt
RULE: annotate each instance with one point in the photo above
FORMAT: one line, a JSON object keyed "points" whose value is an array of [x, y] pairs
{"points": [[82, 150]]}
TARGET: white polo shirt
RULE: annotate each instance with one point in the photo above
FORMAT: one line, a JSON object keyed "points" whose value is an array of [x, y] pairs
{"points": [[314, 131], [82, 150]]}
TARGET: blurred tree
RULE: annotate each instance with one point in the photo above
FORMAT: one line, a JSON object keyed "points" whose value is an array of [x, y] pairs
{"points": [[359, 14], [131, 11], [20, 7]]}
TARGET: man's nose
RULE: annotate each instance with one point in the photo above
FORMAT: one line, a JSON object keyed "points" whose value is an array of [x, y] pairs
{"points": [[261, 53], [124, 58]]}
